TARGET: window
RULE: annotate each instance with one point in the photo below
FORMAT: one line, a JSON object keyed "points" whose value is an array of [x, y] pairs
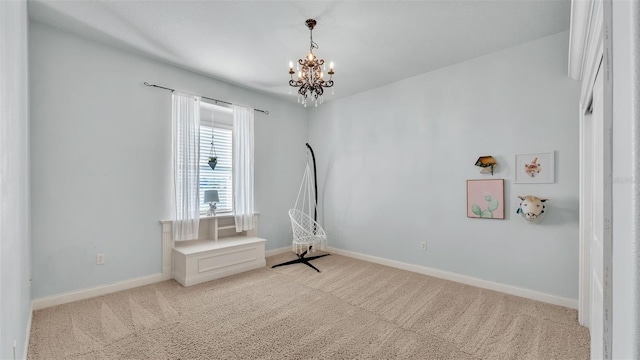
{"points": [[220, 178]]}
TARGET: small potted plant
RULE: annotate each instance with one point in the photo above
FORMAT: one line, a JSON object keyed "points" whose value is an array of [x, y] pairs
{"points": [[213, 161]]}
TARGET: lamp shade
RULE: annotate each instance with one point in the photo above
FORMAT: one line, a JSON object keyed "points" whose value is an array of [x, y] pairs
{"points": [[211, 196]]}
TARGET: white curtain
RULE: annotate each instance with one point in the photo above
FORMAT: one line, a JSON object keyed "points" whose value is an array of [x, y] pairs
{"points": [[243, 202], [185, 117]]}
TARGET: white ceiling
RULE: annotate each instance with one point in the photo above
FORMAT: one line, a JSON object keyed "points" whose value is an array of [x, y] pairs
{"points": [[250, 43]]}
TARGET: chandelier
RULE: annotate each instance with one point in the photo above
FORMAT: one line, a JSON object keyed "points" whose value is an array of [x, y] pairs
{"points": [[310, 81]]}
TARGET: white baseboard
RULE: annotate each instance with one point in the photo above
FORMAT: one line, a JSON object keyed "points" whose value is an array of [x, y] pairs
{"points": [[277, 251], [468, 280], [82, 294], [28, 334]]}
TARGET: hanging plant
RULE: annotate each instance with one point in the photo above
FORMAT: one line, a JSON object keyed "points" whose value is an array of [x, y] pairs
{"points": [[213, 161], [213, 157]]}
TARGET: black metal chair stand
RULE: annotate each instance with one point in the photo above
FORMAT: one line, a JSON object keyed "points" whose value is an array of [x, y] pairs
{"points": [[302, 260]]}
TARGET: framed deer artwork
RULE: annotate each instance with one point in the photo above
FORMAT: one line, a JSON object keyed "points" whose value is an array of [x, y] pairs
{"points": [[536, 168]]}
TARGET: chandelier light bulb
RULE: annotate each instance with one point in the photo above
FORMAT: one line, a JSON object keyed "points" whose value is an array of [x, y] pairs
{"points": [[331, 66], [290, 64]]}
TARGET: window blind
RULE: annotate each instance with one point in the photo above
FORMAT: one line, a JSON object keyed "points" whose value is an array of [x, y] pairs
{"points": [[220, 178]]}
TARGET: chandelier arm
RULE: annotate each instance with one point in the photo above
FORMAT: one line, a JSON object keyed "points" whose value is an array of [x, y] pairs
{"points": [[303, 90]]}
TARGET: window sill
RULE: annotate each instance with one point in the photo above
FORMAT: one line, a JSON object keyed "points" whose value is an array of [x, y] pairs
{"points": [[204, 217], [218, 216]]}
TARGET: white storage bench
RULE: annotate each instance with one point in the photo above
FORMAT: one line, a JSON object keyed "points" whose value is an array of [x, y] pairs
{"points": [[218, 252]]}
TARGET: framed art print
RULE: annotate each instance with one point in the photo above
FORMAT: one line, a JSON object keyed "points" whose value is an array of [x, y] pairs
{"points": [[485, 199], [535, 168]]}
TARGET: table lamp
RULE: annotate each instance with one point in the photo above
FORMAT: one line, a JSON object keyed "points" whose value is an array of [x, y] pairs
{"points": [[211, 197]]}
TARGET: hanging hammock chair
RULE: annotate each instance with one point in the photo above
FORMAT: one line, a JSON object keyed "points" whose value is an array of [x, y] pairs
{"points": [[308, 235]]}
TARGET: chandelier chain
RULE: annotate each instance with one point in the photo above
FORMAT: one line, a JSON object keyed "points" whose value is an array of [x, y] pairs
{"points": [[313, 43]]}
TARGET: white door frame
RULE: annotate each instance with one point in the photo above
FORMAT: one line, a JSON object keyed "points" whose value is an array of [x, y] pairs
{"points": [[595, 197], [585, 57], [585, 219], [585, 54]]}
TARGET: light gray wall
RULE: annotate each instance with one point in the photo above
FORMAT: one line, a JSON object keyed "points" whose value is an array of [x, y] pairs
{"points": [[393, 164], [15, 237], [625, 21], [101, 146]]}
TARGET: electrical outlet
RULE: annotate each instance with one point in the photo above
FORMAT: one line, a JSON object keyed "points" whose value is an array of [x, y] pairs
{"points": [[423, 245], [99, 259]]}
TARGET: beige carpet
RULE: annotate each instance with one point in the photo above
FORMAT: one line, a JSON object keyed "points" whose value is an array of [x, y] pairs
{"points": [[352, 310]]}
